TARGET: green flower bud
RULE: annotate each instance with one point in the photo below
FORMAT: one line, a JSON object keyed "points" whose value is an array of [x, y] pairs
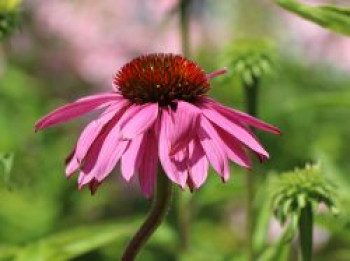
{"points": [[292, 191]]}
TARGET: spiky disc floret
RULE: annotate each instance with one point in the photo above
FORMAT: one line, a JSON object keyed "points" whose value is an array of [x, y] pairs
{"points": [[161, 78]]}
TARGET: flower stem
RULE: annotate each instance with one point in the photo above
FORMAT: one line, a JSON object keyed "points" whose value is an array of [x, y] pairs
{"points": [[251, 91], [161, 204], [306, 220], [185, 26], [183, 209]]}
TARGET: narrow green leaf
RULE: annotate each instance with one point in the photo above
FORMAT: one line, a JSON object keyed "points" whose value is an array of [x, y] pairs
{"points": [[262, 222], [334, 18]]}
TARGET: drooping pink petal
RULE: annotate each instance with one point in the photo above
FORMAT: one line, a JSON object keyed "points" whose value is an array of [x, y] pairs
{"points": [[76, 109], [197, 163], [109, 157], [234, 149], [94, 128], [238, 131], [148, 165], [235, 115], [166, 126], [185, 120], [71, 167], [261, 157], [132, 157], [71, 163], [90, 134], [212, 145], [84, 179], [89, 180], [141, 121], [128, 115], [179, 160], [92, 159], [92, 156]]}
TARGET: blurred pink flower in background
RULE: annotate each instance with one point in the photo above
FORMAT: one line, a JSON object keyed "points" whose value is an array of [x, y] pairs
{"points": [[317, 43], [159, 109], [103, 35]]}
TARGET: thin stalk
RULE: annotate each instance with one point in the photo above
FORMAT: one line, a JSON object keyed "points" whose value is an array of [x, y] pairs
{"points": [[251, 91], [161, 204], [185, 26], [306, 221], [183, 209]]}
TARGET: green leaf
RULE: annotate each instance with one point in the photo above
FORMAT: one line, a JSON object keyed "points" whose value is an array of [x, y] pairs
{"points": [[262, 222], [279, 251], [78, 241], [331, 17]]}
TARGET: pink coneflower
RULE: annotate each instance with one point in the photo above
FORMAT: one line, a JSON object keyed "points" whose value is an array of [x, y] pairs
{"points": [[159, 111]]}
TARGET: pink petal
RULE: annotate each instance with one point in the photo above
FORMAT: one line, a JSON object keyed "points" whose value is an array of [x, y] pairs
{"points": [[128, 115], [84, 179], [112, 148], [234, 149], [148, 165], [166, 126], [90, 134], [76, 109], [109, 157], [141, 121], [236, 130], [95, 127], [132, 157], [179, 160], [92, 158], [197, 163], [239, 116], [216, 73], [96, 156], [72, 166], [212, 145], [185, 119], [89, 180]]}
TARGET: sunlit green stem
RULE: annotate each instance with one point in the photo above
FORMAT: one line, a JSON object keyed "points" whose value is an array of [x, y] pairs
{"points": [[306, 221], [161, 204], [251, 91]]}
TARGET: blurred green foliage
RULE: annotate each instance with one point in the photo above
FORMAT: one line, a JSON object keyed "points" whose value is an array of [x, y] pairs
{"points": [[9, 17], [44, 217]]}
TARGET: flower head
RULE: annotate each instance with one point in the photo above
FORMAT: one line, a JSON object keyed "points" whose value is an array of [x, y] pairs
{"points": [[159, 111], [251, 59], [294, 190]]}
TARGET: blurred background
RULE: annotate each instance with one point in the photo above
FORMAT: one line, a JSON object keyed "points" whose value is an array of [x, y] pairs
{"points": [[66, 49]]}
